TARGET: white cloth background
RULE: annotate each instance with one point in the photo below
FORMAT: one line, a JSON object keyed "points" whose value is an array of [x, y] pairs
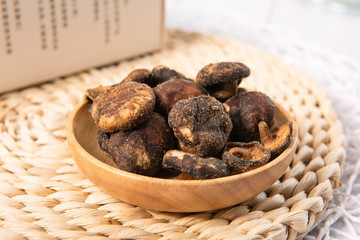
{"points": [[321, 42]]}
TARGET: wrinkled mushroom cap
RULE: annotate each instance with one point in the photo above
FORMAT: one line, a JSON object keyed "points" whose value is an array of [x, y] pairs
{"points": [[247, 109], [201, 125], [243, 157], [222, 72], [163, 73], [221, 79], [123, 106], [141, 149], [103, 139], [170, 92], [276, 142], [140, 75], [195, 166]]}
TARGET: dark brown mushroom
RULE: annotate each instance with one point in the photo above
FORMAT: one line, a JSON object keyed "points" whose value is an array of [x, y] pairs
{"points": [[195, 166], [170, 92], [243, 157], [103, 139], [141, 149], [141, 75], [201, 125], [222, 79], [92, 93], [247, 109], [163, 73], [241, 90], [123, 106], [276, 142]]}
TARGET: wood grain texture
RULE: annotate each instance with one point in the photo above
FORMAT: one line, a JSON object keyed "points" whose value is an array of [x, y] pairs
{"points": [[169, 194]]}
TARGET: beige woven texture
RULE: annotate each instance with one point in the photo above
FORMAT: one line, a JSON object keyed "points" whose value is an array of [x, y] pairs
{"points": [[44, 196]]}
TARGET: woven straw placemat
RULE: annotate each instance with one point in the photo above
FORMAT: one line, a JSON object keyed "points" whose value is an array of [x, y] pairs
{"points": [[43, 195]]}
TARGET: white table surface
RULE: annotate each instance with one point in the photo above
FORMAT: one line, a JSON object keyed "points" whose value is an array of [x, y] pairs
{"points": [[322, 40]]}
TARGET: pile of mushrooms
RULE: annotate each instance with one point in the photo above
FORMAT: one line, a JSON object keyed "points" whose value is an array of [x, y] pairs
{"points": [[161, 123]]}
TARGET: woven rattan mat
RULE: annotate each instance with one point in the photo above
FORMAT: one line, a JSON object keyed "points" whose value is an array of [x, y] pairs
{"points": [[44, 196]]}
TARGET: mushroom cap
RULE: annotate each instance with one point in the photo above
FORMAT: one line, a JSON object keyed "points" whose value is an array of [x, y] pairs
{"points": [[140, 75], [201, 125], [170, 92], [222, 72], [247, 109], [123, 106], [141, 149], [163, 73], [195, 166], [103, 139], [243, 157]]}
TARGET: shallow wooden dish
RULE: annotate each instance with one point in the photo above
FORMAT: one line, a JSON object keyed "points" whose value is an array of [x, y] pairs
{"points": [[169, 194]]}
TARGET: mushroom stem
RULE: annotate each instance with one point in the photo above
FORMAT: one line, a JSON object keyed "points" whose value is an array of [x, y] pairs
{"points": [[265, 135], [223, 91]]}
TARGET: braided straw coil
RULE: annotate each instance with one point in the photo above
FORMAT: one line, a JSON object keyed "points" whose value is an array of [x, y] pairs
{"points": [[43, 195]]}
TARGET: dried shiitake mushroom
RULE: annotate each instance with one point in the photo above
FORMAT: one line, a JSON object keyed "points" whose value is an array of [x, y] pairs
{"points": [[201, 125], [163, 73], [141, 149], [170, 92], [247, 109], [195, 166], [123, 106], [221, 79], [140, 140], [141, 75], [103, 139], [277, 141], [243, 157]]}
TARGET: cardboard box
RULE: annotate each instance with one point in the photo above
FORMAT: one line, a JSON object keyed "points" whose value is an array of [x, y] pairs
{"points": [[44, 39]]}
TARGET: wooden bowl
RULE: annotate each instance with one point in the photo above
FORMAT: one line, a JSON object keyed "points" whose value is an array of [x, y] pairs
{"points": [[169, 194]]}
